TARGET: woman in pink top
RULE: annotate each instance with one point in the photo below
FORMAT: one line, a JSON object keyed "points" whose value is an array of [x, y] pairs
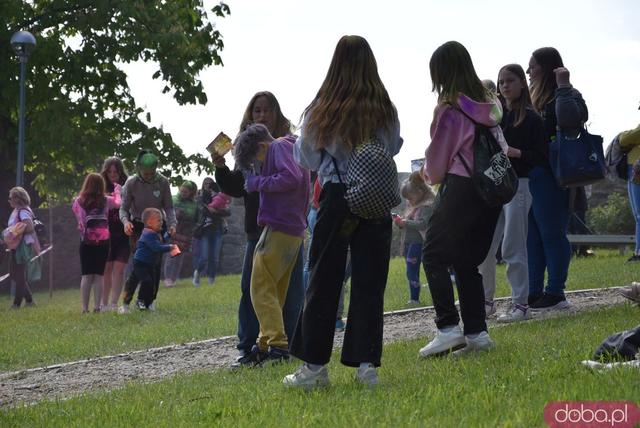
{"points": [[91, 209], [460, 230]]}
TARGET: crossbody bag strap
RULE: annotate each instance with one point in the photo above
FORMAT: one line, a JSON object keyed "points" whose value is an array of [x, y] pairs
{"points": [[335, 165]]}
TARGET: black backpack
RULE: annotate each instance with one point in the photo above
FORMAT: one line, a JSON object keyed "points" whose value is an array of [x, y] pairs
{"points": [[493, 176]]}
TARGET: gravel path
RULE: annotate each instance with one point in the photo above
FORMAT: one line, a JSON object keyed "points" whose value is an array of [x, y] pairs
{"points": [[105, 373]]}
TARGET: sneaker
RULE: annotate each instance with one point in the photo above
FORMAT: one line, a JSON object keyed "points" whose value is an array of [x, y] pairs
{"points": [[124, 309], [14, 307], [196, 279], [517, 313], [306, 378], [475, 343], [549, 302], [212, 281], [367, 376], [30, 304], [340, 325], [96, 310], [169, 284], [489, 308], [275, 356], [141, 305], [631, 292], [251, 359], [447, 339], [413, 303], [634, 258], [533, 298], [152, 306]]}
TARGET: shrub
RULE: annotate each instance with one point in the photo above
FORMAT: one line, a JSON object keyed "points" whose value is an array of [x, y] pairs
{"points": [[613, 217]]}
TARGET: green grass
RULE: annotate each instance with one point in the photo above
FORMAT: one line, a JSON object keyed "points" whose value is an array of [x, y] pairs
{"points": [[56, 332], [534, 363]]}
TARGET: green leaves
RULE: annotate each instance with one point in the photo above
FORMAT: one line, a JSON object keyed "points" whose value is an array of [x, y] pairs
{"points": [[79, 106]]}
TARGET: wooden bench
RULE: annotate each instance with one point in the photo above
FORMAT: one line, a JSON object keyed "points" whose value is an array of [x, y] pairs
{"points": [[621, 241]]}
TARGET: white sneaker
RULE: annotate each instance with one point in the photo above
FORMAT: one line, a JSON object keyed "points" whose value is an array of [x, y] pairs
{"points": [[413, 303], [367, 376], [447, 339], [196, 279], [152, 306], [475, 343], [517, 313], [124, 309], [306, 378]]}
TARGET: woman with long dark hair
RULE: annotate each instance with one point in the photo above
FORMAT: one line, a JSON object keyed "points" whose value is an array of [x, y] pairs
{"points": [[462, 225], [561, 107]]}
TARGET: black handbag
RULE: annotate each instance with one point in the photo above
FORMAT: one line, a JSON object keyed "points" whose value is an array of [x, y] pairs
{"points": [[577, 161], [620, 346]]}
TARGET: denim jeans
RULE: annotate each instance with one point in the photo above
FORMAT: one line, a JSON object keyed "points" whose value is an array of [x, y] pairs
{"points": [[547, 245], [634, 201], [210, 244], [248, 326], [413, 257]]}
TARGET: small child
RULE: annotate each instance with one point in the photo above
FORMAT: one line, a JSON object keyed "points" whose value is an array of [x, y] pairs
{"points": [[91, 209], [220, 201], [284, 194], [419, 198], [147, 255]]}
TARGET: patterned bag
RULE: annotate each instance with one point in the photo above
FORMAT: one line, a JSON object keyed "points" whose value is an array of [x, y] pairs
{"points": [[372, 181]]}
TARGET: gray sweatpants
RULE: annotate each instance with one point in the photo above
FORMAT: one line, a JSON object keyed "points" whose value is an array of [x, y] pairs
{"points": [[512, 229]]}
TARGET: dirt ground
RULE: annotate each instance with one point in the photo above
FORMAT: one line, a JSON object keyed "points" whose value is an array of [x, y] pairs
{"points": [[105, 373]]}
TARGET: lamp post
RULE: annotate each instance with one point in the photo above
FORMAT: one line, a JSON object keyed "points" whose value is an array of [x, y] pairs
{"points": [[23, 44]]}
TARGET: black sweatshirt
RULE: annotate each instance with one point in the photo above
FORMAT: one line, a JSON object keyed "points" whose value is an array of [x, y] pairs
{"points": [[529, 138], [232, 183]]}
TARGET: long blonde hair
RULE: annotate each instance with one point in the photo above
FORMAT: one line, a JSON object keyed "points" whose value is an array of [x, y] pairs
{"points": [[352, 103]]}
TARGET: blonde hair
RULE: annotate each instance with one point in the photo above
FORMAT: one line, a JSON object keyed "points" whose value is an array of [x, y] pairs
{"points": [[352, 104], [21, 195], [415, 185], [149, 213]]}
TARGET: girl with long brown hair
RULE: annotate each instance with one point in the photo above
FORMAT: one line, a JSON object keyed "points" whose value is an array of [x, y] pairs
{"points": [[113, 173], [561, 107], [351, 108], [91, 209], [262, 108], [462, 224], [524, 132]]}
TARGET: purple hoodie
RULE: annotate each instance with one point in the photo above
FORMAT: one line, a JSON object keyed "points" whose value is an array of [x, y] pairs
{"points": [[284, 189], [452, 133]]}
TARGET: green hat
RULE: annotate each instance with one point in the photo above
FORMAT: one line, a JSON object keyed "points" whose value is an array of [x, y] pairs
{"points": [[148, 160]]}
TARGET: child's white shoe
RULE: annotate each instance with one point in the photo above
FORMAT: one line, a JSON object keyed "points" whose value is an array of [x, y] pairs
{"points": [[476, 343], [124, 309]]}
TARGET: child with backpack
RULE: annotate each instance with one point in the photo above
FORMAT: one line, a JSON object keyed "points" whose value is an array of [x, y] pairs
{"points": [[284, 193], [149, 249], [462, 224], [91, 209], [524, 132], [351, 113], [413, 223]]}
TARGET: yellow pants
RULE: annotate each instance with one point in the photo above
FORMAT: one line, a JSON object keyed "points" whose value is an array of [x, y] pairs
{"points": [[273, 262]]}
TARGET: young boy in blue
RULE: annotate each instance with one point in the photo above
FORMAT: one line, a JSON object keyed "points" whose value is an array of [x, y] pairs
{"points": [[148, 253]]}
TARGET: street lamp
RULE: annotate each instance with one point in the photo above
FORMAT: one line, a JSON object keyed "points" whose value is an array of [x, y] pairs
{"points": [[23, 44]]}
